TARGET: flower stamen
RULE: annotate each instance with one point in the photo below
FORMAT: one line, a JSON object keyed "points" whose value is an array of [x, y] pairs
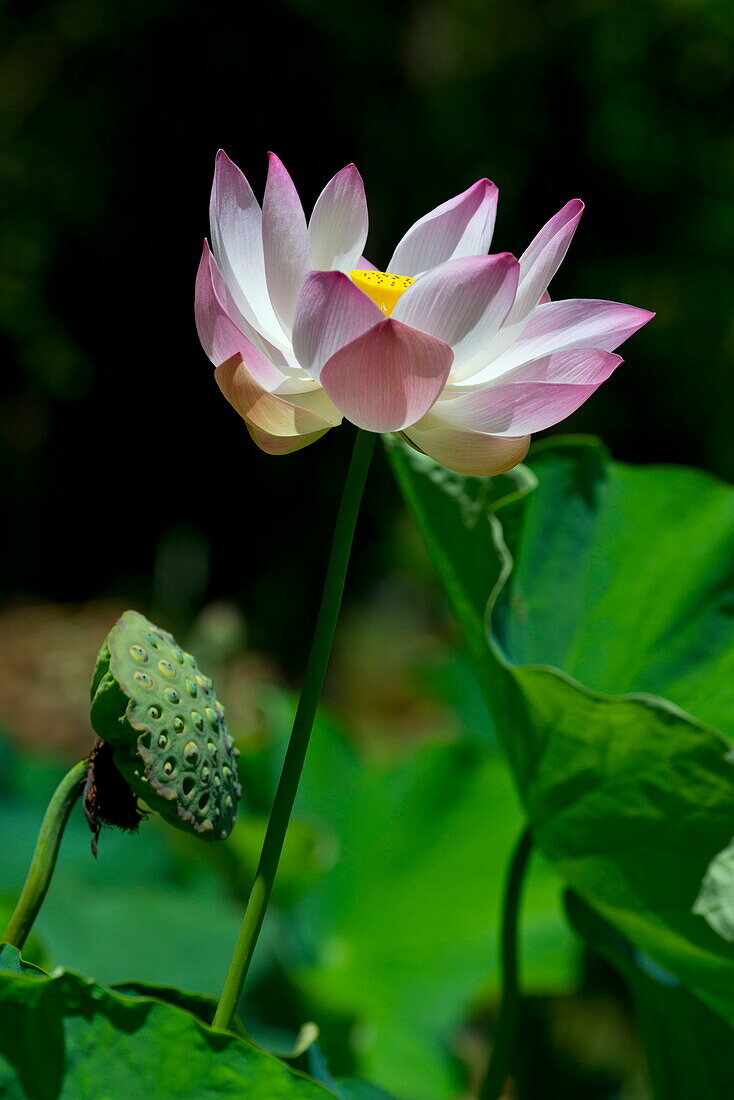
{"points": [[381, 286]]}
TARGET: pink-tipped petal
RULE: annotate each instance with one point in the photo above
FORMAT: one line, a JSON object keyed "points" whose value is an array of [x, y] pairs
{"points": [[550, 390], [575, 323], [219, 333], [462, 302], [285, 363], [574, 367], [365, 265], [387, 378], [463, 226], [302, 414], [467, 452], [236, 229], [338, 226], [285, 241], [542, 258], [563, 326], [331, 312]]}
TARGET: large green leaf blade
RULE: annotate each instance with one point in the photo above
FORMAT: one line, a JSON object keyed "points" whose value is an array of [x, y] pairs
{"points": [[66, 1038], [624, 578], [630, 797]]}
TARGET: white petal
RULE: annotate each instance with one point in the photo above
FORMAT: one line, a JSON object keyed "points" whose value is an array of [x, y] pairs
{"points": [[463, 226], [285, 242], [542, 258], [563, 326], [338, 227], [236, 230]]}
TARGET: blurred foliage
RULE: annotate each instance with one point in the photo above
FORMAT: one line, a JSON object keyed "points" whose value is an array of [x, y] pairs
{"points": [[687, 1045], [386, 941], [111, 114]]}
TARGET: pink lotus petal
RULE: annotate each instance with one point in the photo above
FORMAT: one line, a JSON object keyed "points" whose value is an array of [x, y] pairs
{"points": [[285, 241], [467, 452], [575, 323], [463, 226], [301, 414], [364, 265], [552, 389], [331, 312], [562, 326], [387, 378], [285, 363], [542, 258], [236, 228], [463, 302], [573, 367], [338, 226], [220, 335]]}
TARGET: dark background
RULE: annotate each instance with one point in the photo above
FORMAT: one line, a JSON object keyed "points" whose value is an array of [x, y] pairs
{"points": [[124, 472]]}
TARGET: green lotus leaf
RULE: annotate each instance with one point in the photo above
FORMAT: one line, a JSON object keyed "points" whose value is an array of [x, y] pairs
{"points": [[605, 654], [63, 1037]]}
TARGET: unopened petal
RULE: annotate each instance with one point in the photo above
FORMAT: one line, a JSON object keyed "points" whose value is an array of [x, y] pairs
{"points": [[463, 226], [465, 451], [285, 241], [331, 312], [462, 302], [337, 230], [387, 378]]}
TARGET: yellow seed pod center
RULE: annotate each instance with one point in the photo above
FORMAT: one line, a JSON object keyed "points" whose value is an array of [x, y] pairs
{"points": [[383, 288]]}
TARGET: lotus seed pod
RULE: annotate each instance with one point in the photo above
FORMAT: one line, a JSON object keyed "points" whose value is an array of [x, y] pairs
{"points": [[167, 729]]}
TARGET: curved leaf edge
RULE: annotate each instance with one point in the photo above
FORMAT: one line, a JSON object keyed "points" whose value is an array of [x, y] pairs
{"points": [[495, 687], [655, 702], [13, 966]]}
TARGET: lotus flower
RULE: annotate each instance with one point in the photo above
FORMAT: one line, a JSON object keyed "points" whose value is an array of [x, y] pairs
{"points": [[460, 351]]}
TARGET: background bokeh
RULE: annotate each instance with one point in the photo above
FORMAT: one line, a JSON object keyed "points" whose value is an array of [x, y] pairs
{"points": [[115, 442], [127, 480]]}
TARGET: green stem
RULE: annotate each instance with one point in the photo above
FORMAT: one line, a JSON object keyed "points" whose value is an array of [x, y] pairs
{"points": [[301, 733], [44, 856], [504, 1045]]}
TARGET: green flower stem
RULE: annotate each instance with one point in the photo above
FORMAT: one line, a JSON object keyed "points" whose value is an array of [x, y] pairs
{"points": [[44, 856], [504, 1046], [301, 733]]}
